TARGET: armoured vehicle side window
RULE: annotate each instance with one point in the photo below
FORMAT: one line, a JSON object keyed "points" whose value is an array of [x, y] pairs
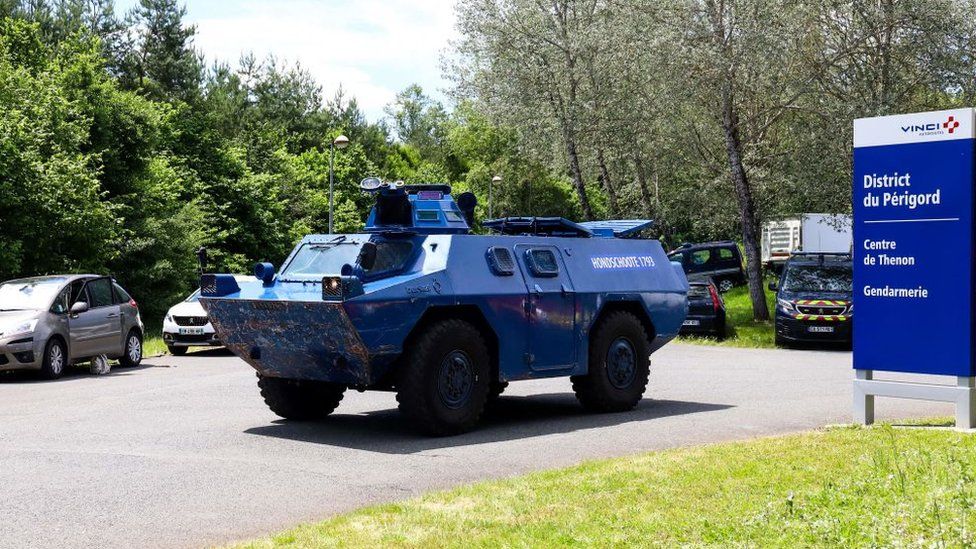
{"points": [[100, 291], [542, 262], [501, 261], [391, 255]]}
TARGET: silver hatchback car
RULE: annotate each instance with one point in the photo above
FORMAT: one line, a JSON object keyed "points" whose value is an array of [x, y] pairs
{"points": [[50, 322]]}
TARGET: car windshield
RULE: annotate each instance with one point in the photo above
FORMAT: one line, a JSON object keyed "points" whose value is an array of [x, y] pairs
{"points": [[194, 297], [818, 278], [29, 295]]}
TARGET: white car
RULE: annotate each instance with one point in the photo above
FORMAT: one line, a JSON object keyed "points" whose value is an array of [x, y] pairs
{"points": [[186, 325]]}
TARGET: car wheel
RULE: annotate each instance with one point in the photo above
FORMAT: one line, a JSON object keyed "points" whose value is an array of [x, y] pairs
{"points": [[444, 383], [300, 400], [132, 352], [725, 285], [619, 365], [176, 351], [55, 359]]}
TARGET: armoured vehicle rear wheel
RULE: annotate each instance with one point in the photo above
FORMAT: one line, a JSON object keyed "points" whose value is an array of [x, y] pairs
{"points": [[300, 400], [443, 385], [619, 364]]}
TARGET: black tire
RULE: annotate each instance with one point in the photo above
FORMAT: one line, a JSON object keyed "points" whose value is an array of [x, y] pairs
{"points": [[55, 359], [720, 331], [496, 389], [619, 365], [131, 350], [176, 351], [300, 400], [444, 382]]}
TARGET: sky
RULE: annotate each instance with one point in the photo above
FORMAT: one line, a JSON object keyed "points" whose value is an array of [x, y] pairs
{"points": [[372, 48]]}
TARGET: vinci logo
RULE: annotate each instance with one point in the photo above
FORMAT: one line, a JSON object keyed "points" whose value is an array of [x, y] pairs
{"points": [[934, 128]]}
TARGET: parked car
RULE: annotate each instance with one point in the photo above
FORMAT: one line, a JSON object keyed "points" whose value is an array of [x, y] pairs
{"points": [[706, 310], [813, 299], [720, 262], [48, 323], [186, 325]]}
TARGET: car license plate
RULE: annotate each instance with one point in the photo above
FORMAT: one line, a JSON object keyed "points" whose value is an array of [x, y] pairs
{"points": [[191, 331], [692, 323], [821, 329]]}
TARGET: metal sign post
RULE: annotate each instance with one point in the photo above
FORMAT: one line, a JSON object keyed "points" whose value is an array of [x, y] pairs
{"points": [[913, 258]]}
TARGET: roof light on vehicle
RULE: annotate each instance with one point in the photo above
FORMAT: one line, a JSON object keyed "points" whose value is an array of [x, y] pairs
{"points": [[371, 184]]}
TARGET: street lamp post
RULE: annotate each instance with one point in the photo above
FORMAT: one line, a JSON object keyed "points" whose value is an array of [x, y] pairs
{"points": [[494, 180], [340, 142]]}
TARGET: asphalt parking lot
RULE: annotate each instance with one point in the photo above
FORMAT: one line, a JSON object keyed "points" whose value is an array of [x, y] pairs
{"points": [[182, 452]]}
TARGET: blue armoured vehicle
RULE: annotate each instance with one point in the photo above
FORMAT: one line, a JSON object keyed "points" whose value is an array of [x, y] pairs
{"points": [[418, 305]]}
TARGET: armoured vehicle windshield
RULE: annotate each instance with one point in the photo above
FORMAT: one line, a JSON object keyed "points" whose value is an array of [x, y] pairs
{"points": [[316, 260]]}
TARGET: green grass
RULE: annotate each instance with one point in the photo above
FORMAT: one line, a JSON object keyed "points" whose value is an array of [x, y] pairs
{"points": [[153, 346], [743, 331], [840, 487]]}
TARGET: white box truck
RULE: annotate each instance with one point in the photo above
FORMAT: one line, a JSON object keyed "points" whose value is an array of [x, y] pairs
{"points": [[809, 232]]}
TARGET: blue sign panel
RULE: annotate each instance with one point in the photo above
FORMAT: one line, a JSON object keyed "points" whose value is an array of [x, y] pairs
{"points": [[913, 243]]}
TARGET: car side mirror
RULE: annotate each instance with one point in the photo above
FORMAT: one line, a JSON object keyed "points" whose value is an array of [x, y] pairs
{"points": [[774, 286], [79, 307], [367, 256]]}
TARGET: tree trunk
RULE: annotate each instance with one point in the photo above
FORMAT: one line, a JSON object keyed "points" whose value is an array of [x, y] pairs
{"points": [[607, 183], [747, 208], [642, 185], [577, 174]]}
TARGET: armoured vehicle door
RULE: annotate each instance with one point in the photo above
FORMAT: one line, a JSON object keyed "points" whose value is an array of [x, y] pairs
{"points": [[551, 308]]}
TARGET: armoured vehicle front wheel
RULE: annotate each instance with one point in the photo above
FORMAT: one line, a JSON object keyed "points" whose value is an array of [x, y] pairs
{"points": [[443, 385], [619, 364], [300, 400]]}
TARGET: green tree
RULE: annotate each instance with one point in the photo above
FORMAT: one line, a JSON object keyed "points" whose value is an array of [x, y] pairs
{"points": [[161, 61]]}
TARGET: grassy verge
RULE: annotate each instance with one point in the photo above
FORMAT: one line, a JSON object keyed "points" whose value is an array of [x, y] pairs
{"points": [[743, 331], [153, 346], [840, 487], [152, 341]]}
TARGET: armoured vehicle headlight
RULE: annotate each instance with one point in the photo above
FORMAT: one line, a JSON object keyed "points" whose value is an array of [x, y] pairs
{"points": [[339, 288]]}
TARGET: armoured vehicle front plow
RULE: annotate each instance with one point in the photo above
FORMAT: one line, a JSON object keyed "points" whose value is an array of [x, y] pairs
{"points": [[294, 339]]}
